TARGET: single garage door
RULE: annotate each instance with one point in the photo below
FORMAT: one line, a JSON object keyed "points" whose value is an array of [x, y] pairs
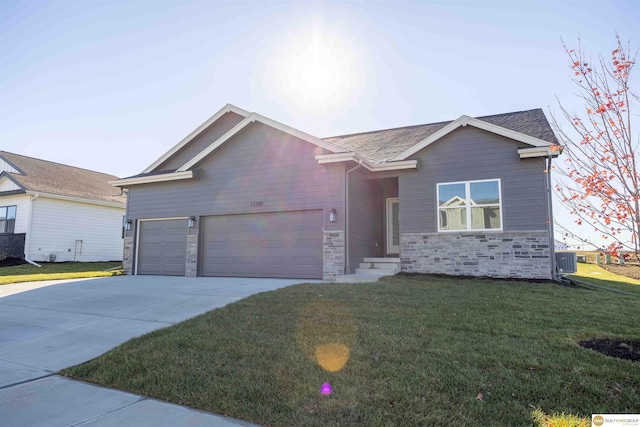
{"points": [[162, 248], [280, 244]]}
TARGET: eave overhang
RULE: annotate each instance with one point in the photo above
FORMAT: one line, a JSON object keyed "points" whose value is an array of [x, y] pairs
{"points": [[121, 205], [149, 179], [549, 151], [373, 167]]}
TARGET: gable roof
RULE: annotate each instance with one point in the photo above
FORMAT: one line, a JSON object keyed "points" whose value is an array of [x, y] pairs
{"points": [[377, 151], [42, 176], [386, 145]]}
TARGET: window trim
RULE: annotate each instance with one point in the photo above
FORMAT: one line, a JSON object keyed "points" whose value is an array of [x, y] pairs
{"points": [[8, 220], [468, 206]]}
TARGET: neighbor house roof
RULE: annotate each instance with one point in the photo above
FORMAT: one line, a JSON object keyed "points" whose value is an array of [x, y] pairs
{"points": [[44, 177], [385, 145]]}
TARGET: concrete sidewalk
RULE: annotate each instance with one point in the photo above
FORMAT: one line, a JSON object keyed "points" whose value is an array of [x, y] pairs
{"points": [[47, 329]]}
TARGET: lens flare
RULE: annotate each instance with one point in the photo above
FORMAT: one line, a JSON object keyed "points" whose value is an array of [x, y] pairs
{"points": [[332, 357], [326, 388]]}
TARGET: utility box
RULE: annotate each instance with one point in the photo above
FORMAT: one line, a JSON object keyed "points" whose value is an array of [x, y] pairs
{"points": [[566, 262]]}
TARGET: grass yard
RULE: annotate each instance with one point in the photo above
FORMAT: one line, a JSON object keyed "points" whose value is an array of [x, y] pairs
{"points": [[592, 273], [405, 351], [56, 271]]}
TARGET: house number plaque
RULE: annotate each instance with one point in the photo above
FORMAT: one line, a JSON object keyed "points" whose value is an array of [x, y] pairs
{"points": [[254, 204]]}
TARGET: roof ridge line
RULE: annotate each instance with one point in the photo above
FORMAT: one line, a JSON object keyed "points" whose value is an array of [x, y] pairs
{"points": [[429, 124]]}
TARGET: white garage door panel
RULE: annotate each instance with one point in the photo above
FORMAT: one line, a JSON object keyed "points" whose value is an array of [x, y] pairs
{"points": [[282, 244], [162, 248]]}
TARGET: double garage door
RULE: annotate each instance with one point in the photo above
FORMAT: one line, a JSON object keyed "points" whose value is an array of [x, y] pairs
{"points": [[280, 244]]}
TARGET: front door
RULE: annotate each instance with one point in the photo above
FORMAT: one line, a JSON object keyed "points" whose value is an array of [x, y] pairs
{"points": [[393, 225]]}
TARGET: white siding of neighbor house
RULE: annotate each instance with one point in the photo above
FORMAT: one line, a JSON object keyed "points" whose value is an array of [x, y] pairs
{"points": [[56, 225], [7, 185], [21, 202]]}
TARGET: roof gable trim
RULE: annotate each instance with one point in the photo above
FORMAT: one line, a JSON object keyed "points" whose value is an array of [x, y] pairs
{"points": [[197, 131], [255, 117], [8, 166], [470, 121], [13, 180]]}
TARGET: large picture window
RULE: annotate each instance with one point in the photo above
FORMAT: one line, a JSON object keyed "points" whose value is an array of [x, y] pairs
{"points": [[470, 205], [7, 219]]}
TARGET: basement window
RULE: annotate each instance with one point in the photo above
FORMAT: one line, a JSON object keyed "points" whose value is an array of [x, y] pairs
{"points": [[7, 219], [470, 205]]}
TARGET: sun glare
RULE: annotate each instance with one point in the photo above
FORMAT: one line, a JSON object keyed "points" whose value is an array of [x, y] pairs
{"points": [[315, 70]]}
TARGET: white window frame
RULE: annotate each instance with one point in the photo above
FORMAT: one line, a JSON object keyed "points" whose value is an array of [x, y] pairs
{"points": [[6, 219], [468, 206]]}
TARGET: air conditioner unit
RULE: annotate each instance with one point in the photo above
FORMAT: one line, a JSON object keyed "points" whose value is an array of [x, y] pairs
{"points": [[566, 262]]}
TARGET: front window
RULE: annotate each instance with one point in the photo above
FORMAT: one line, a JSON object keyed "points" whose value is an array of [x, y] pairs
{"points": [[7, 219], [470, 205]]}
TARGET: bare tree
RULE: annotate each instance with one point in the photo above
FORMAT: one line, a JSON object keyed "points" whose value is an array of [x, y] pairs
{"points": [[600, 184]]}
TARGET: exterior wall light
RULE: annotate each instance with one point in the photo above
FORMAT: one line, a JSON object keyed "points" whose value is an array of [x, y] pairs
{"points": [[332, 215], [127, 224], [192, 222]]}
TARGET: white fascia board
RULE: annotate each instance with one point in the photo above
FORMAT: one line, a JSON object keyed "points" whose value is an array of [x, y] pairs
{"points": [[464, 121], [373, 167], [77, 199], [337, 157], [394, 166], [174, 176], [255, 117], [226, 109], [526, 153]]}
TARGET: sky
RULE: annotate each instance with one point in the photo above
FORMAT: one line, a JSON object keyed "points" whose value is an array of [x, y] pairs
{"points": [[112, 85]]}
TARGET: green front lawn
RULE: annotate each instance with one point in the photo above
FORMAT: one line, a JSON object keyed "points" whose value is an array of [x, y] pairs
{"points": [[592, 273], [404, 351], [57, 271]]}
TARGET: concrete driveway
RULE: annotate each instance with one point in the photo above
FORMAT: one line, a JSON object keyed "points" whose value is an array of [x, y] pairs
{"points": [[50, 328]]}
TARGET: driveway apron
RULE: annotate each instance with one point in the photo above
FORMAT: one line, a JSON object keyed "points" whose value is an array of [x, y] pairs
{"points": [[47, 329]]}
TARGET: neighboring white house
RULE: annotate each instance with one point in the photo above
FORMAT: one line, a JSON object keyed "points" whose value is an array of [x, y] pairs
{"points": [[52, 211]]}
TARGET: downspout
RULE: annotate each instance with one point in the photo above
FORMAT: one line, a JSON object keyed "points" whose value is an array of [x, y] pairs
{"points": [[27, 239], [346, 215], [552, 249]]}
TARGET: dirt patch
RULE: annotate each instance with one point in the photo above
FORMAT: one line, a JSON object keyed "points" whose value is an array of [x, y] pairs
{"points": [[10, 262], [628, 350], [628, 270]]}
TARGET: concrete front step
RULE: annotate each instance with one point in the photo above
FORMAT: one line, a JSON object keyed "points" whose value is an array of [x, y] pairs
{"points": [[395, 260], [381, 266], [376, 271], [356, 278]]}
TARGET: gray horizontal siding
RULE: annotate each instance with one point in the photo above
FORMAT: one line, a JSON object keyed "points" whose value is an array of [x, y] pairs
{"points": [[260, 164], [472, 154], [366, 219], [202, 141]]}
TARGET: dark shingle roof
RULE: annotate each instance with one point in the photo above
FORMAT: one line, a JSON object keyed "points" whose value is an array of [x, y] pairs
{"points": [[55, 178], [383, 145]]}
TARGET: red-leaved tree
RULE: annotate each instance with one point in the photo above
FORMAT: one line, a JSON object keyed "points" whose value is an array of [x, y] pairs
{"points": [[600, 184]]}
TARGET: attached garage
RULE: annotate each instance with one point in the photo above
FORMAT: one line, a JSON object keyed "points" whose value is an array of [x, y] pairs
{"points": [[162, 247], [278, 244]]}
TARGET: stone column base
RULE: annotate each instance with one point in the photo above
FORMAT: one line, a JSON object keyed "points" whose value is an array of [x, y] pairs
{"points": [[333, 251]]}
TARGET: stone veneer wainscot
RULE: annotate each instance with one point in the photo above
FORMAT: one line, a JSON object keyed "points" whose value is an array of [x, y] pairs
{"points": [[523, 255]]}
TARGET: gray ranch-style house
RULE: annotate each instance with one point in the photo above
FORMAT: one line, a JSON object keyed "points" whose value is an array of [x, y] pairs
{"points": [[244, 195]]}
